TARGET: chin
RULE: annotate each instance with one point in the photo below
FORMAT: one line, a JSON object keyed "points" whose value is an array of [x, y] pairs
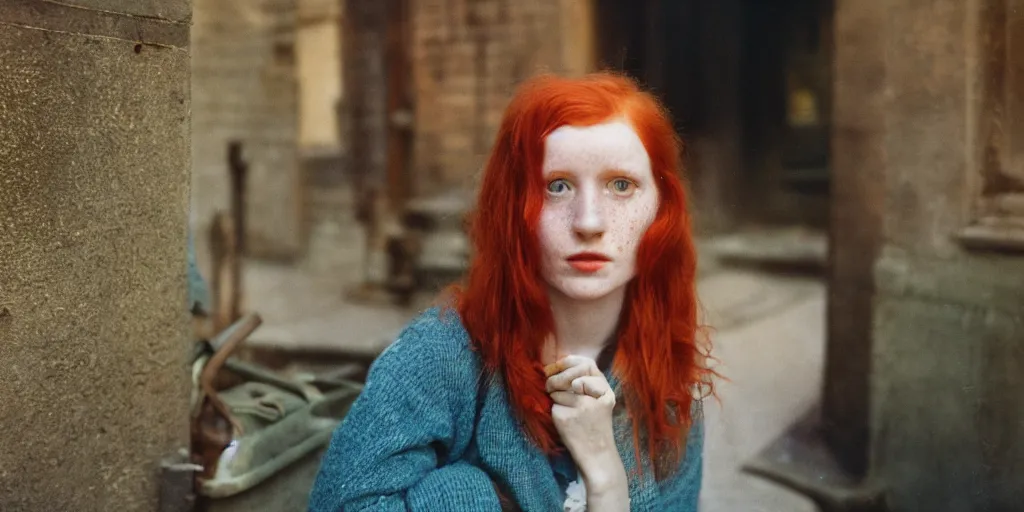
{"points": [[585, 289]]}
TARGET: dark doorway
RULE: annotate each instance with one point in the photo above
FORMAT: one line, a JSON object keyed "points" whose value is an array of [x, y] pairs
{"points": [[748, 84]]}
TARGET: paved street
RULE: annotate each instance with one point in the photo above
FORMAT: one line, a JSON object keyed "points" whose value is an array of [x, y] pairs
{"points": [[768, 335], [769, 342]]}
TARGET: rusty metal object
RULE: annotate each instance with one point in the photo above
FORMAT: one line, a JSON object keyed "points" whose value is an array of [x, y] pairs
{"points": [[399, 249], [213, 427], [399, 104], [257, 433], [239, 170], [227, 245], [226, 275], [224, 345]]}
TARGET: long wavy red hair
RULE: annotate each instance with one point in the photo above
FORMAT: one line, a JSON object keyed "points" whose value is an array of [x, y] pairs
{"points": [[503, 302]]}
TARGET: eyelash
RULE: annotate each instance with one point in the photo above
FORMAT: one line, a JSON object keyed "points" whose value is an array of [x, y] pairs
{"points": [[559, 180], [629, 182]]}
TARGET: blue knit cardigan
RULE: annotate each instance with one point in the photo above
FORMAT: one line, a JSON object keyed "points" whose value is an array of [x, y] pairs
{"points": [[428, 432]]}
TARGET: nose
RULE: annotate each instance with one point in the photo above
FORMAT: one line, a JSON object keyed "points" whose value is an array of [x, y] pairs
{"points": [[588, 219]]}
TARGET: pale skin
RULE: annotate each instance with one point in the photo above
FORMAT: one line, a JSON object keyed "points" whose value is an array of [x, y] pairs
{"points": [[601, 198]]}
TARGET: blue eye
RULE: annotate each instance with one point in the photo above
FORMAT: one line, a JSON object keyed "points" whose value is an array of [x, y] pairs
{"points": [[622, 186], [558, 187]]}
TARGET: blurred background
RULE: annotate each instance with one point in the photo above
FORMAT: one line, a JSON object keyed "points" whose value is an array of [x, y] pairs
{"points": [[857, 181]]}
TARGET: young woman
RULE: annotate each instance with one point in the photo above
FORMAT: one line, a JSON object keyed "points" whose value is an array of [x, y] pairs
{"points": [[564, 373]]}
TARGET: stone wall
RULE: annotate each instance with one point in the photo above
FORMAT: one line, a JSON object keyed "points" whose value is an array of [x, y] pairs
{"points": [[94, 192], [464, 60], [244, 87], [922, 123], [468, 56]]}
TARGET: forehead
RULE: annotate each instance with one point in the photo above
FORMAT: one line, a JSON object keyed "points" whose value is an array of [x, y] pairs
{"points": [[613, 144]]}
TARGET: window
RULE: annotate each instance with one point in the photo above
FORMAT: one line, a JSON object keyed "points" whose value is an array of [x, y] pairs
{"points": [[996, 92]]}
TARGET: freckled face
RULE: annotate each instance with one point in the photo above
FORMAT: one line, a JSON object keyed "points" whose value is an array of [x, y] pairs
{"points": [[600, 200]]}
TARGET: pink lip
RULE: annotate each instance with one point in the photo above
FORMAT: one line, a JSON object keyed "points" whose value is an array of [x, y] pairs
{"points": [[588, 262]]}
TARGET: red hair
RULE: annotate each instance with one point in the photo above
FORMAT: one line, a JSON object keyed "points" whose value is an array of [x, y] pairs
{"points": [[504, 304]]}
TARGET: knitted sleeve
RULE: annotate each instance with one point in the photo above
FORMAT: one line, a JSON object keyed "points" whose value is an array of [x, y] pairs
{"points": [[681, 492], [399, 446]]}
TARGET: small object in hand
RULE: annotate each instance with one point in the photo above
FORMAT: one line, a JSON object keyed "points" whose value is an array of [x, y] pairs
{"points": [[576, 497], [553, 368]]}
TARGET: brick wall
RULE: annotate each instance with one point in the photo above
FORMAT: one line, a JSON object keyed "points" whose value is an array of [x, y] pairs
{"points": [[244, 87], [467, 58]]}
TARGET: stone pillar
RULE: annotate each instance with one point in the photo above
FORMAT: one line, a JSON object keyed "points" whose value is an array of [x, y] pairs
{"points": [[94, 194], [858, 173]]}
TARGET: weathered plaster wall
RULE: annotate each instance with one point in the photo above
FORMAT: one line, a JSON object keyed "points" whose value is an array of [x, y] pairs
{"points": [[948, 328], [949, 357], [94, 188]]}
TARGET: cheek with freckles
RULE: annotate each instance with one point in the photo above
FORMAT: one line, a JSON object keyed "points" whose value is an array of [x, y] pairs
{"points": [[633, 224], [554, 234]]}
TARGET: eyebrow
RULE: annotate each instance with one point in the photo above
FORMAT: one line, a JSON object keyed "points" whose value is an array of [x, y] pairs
{"points": [[624, 165], [608, 172], [623, 170]]}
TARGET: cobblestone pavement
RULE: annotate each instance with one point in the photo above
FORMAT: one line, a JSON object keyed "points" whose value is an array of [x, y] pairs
{"points": [[768, 333]]}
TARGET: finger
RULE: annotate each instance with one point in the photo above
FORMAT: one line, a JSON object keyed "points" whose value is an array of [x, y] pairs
{"points": [[574, 360], [589, 385], [554, 368], [566, 398], [569, 362], [562, 381], [560, 412]]}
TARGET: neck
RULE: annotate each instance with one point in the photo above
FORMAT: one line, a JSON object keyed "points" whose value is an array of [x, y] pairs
{"points": [[585, 327]]}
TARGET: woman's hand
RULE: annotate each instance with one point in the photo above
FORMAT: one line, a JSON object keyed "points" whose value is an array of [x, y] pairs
{"points": [[582, 413]]}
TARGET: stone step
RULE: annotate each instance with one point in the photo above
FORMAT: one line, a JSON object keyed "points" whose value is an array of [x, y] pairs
{"points": [[442, 212], [786, 247]]}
